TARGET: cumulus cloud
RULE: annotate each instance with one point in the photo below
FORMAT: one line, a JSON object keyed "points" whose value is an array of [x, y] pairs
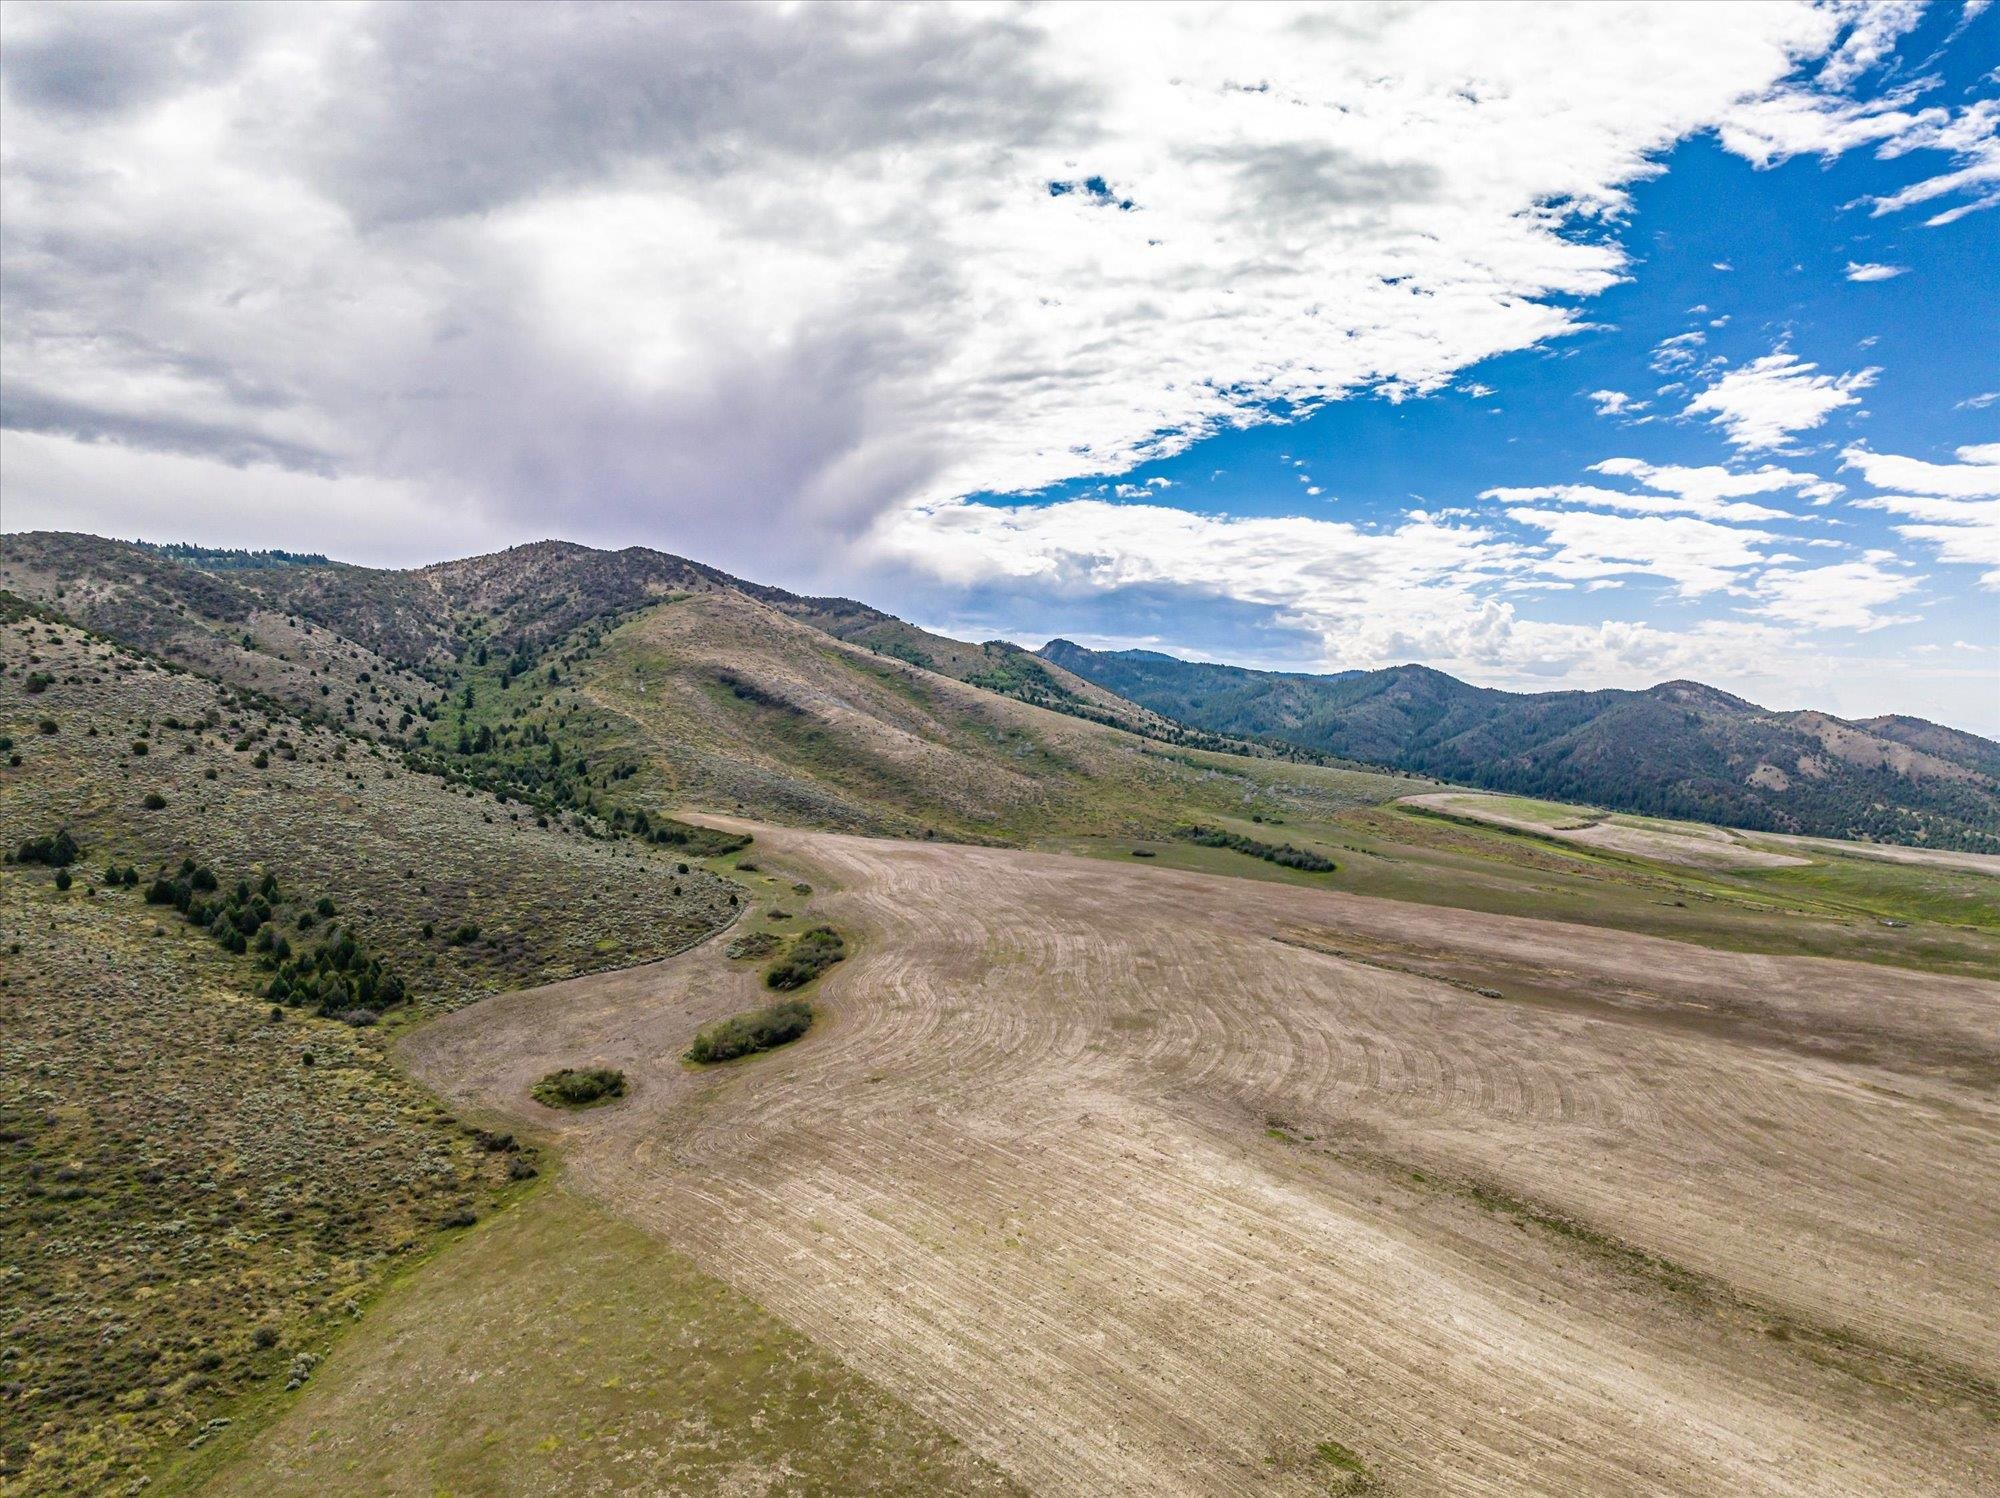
{"points": [[1953, 507], [1761, 405], [1847, 595], [1697, 556], [781, 286], [1872, 271], [1354, 597], [1615, 402], [743, 279]]}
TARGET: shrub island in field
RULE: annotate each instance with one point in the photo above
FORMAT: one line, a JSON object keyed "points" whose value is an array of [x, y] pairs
{"points": [[810, 954], [1285, 855], [580, 1088], [746, 1034]]}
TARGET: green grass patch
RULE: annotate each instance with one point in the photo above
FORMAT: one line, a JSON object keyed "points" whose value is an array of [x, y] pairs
{"points": [[746, 1034], [580, 1088], [1340, 1457], [556, 1349]]}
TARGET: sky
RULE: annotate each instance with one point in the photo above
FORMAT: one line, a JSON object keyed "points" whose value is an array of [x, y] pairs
{"points": [[1550, 346]]}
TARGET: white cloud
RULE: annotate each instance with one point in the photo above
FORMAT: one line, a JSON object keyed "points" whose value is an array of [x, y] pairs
{"points": [[1874, 272], [1698, 556], [1955, 506], [1791, 121], [1415, 592], [1876, 30], [1592, 496], [1677, 352], [1762, 404], [1846, 595], [1615, 402], [1978, 402], [1976, 473], [1708, 483], [747, 278]]}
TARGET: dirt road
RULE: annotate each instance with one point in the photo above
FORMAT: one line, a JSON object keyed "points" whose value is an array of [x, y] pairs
{"points": [[1142, 1181]]}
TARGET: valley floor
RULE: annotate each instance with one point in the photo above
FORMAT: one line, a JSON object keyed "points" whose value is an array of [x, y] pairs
{"points": [[1136, 1180]]}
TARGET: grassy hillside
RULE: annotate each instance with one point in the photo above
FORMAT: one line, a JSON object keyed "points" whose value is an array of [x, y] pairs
{"points": [[560, 1350], [411, 862], [620, 686], [1680, 749], [199, 1195], [721, 701], [206, 1174]]}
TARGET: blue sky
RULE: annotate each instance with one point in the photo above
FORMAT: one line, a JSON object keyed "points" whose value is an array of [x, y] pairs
{"points": [[1552, 347]]}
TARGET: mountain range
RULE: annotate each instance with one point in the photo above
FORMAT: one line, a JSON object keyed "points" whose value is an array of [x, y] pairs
{"points": [[1679, 749], [701, 688]]}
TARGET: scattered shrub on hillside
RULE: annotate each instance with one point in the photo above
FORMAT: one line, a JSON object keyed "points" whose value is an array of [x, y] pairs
{"points": [[746, 1034], [812, 953], [154, 801], [1283, 854], [584, 1088], [338, 977], [465, 935], [63, 880], [702, 842], [58, 851]]}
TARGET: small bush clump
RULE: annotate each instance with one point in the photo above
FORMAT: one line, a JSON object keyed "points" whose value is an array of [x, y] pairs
{"points": [[580, 1088], [812, 953], [746, 1034]]}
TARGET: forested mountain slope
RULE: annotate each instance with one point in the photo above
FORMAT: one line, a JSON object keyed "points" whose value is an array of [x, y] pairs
{"points": [[1678, 749]]}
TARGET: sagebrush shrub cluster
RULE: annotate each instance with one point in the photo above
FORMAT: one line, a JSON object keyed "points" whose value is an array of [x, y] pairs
{"points": [[574, 1087], [336, 975], [1284, 854], [746, 1034], [812, 953]]}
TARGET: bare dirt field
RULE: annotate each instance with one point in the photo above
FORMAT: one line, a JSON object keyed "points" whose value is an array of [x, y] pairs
{"points": [[1936, 858], [1671, 842], [1145, 1181]]}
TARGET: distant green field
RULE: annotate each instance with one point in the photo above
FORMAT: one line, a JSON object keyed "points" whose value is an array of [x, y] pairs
{"points": [[1548, 813]]}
